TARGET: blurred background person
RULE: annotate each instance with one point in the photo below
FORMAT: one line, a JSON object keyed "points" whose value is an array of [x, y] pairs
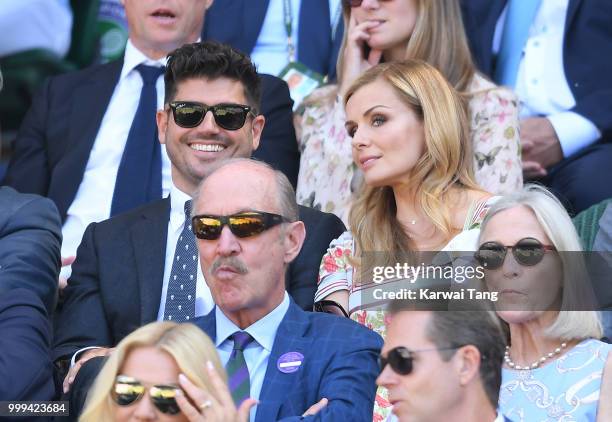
{"points": [[410, 139], [396, 30], [35, 24], [555, 367], [552, 54], [152, 374]]}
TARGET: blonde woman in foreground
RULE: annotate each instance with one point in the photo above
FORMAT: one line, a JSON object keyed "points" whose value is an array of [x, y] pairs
{"points": [[163, 371]]}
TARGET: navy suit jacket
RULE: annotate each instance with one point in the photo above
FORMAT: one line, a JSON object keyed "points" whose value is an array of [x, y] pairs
{"points": [[58, 132], [26, 369], [239, 22], [340, 364], [586, 48], [30, 239], [117, 278]]}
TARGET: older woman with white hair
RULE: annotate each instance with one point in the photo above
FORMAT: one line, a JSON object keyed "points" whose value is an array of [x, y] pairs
{"points": [[555, 367]]}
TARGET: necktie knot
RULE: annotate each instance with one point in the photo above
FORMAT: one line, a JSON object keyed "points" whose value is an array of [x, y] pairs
{"points": [[149, 74], [241, 340], [188, 209]]}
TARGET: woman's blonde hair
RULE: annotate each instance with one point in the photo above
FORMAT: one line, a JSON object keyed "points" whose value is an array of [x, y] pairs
{"points": [[573, 321], [438, 38], [187, 344], [446, 163]]}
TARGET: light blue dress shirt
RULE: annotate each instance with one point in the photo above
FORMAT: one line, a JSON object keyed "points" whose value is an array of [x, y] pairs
{"points": [[257, 353]]}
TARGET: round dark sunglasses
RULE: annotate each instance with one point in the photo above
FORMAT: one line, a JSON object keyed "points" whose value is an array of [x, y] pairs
{"points": [[244, 224], [401, 360], [352, 3], [330, 307], [127, 391], [527, 252], [190, 114]]}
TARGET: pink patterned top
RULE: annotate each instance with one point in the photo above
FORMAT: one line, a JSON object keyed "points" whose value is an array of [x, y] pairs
{"points": [[327, 178]]}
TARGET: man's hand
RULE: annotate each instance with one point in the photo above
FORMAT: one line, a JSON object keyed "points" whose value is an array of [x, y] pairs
{"points": [[315, 408], [540, 146], [85, 356], [63, 281]]}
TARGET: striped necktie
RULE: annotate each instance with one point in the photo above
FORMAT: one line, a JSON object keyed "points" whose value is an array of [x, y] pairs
{"points": [[237, 370]]}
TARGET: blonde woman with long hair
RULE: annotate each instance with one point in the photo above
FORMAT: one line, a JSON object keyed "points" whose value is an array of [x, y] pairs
{"points": [[410, 139], [396, 30], [163, 371]]}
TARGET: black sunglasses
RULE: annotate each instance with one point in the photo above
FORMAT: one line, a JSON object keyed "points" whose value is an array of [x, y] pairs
{"points": [[401, 360], [352, 3], [330, 307], [244, 224], [527, 252], [127, 391], [190, 114]]}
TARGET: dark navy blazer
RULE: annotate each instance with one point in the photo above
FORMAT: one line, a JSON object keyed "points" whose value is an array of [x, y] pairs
{"points": [[239, 22], [340, 364], [586, 52]]}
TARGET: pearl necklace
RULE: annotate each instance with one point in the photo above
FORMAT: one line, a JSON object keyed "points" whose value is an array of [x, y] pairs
{"points": [[535, 364]]}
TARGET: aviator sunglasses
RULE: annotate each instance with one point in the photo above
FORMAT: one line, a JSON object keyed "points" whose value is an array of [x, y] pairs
{"points": [[527, 252], [352, 3], [127, 391], [244, 224], [401, 358], [229, 116]]}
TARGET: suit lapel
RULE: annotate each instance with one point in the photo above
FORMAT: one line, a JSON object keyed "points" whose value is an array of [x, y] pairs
{"points": [[149, 236], [254, 13], [572, 8], [90, 101], [314, 34], [289, 338], [208, 323]]}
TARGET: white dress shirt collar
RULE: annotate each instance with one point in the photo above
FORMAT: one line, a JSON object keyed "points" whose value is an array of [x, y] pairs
{"points": [[133, 57], [177, 206], [263, 331]]}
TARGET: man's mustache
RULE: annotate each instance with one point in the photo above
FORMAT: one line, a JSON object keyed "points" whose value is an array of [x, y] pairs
{"points": [[232, 262]]}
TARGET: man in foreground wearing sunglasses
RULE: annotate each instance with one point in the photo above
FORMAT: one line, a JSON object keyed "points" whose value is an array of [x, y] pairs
{"points": [[293, 362], [442, 366], [142, 266]]}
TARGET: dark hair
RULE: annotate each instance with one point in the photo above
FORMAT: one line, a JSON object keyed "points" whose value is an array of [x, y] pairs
{"points": [[212, 60], [453, 329]]}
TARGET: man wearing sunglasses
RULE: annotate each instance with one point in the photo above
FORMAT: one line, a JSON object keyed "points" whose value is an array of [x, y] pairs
{"points": [[89, 140], [442, 366], [142, 266], [293, 362]]}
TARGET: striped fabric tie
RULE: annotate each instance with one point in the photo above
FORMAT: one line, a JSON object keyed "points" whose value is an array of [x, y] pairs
{"points": [[237, 370]]}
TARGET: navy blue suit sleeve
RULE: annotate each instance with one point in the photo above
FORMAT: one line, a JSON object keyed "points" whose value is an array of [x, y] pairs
{"points": [[349, 380], [28, 169], [278, 145], [303, 273], [30, 239], [26, 369], [82, 322]]}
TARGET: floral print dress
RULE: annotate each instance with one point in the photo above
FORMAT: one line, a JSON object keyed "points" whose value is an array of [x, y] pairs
{"points": [[327, 177], [336, 273]]}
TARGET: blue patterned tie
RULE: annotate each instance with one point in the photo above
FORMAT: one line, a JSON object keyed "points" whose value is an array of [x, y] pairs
{"points": [[238, 376], [519, 17], [180, 297], [139, 175]]}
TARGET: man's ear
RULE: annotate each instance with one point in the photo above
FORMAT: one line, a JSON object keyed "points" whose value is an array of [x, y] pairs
{"points": [[467, 363], [295, 233], [256, 129], [162, 124]]}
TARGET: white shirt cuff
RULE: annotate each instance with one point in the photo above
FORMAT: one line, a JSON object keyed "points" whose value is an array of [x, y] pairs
{"points": [[73, 360], [574, 131]]}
